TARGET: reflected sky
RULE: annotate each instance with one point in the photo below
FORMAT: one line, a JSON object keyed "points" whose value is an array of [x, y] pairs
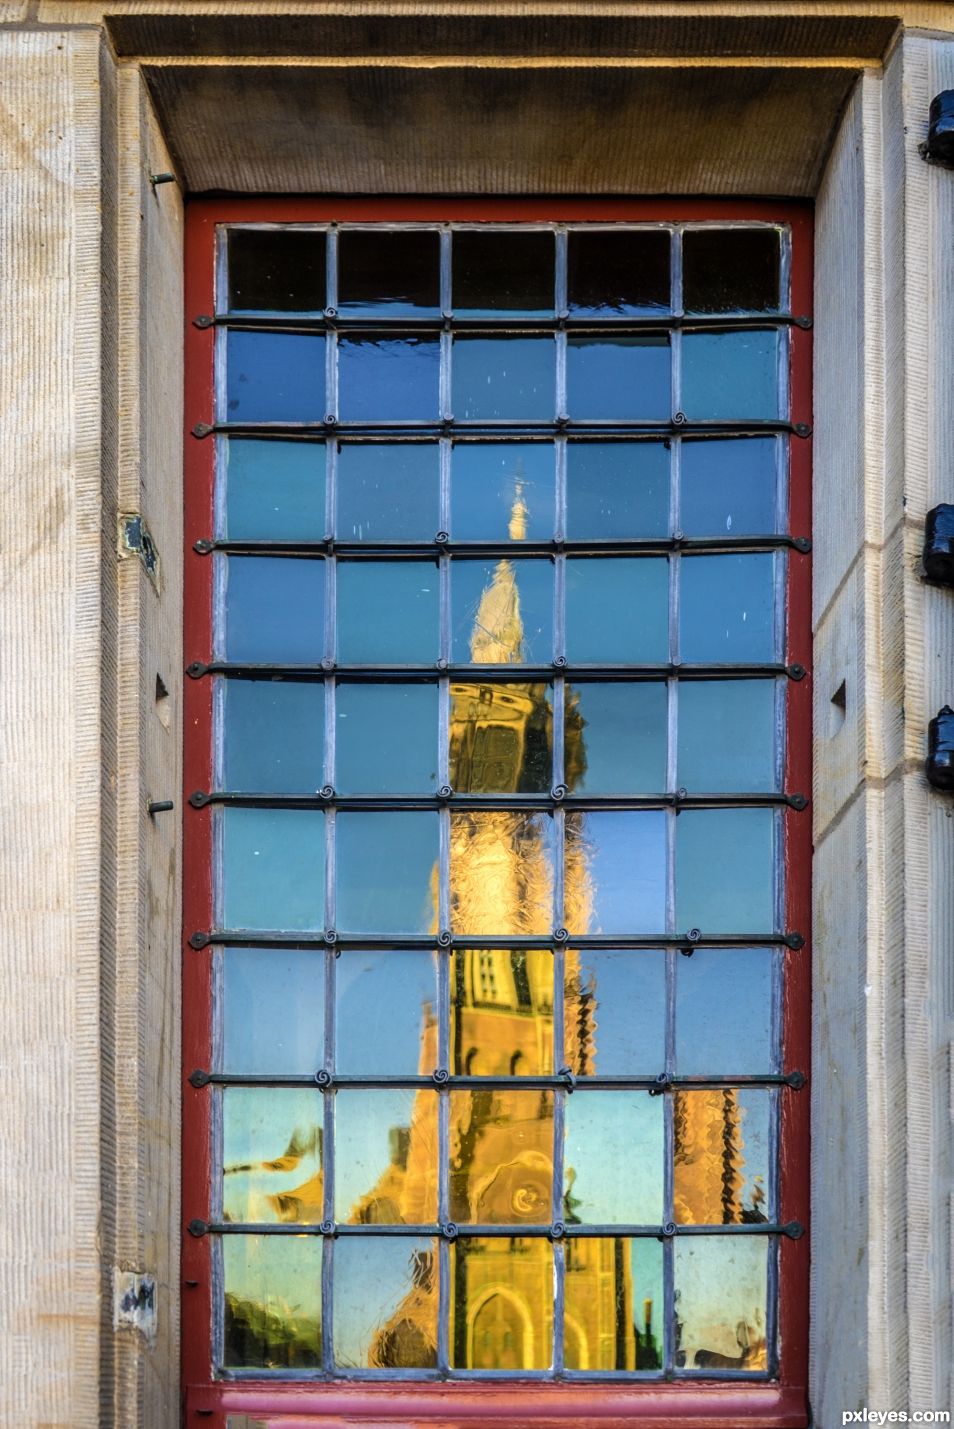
{"points": [[615, 1011], [613, 1159], [274, 491], [619, 857], [721, 1288], [385, 1303], [385, 1012], [273, 1010]]}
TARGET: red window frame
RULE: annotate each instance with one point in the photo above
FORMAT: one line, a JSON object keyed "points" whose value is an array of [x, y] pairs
{"points": [[779, 1404]]}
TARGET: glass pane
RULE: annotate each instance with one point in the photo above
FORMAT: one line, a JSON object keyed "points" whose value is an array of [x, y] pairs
{"points": [[386, 739], [272, 1155], [501, 738], [274, 736], [497, 273], [728, 375], [725, 874], [272, 1301], [613, 1159], [388, 379], [615, 878], [616, 490], [618, 378], [274, 491], [385, 1157], [616, 273], [385, 1013], [385, 1303], [501, 1304], [273, 868], [727, 736], [275, 377], [615, 738], [738, 1039], [728, 487], [614, 1012], [504, 378], [502, 491], [276, 271], [388, 491], [727, 609], [727, 270], [273, 1010], [386, 872], [720, 1157], [501, 873], [501, 1012], [613, 1304], [617, 610], [502, 612], [721, 1288], [388, 612], [274, 610], [389, 272], [501, 1157]]}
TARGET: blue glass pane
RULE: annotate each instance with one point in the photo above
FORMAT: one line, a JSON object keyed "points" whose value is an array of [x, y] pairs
{"points": [[737, 1042], [615, 878], [617, 610], [616, 490], [504, 378], [386, 872], [725, 870], [388, 491], [721, 1290], [624, 378], [727, 609], [273, 868], [272, 1291], [387, 612], [275, 377], [392, 272], [376, 1131], [728, 487], [273, 736], [271, 1155], [613, 1159], [273, 1010], [614, 1012], [615, 738], [502, 491], [384, 379], [728, 375], [273, 491], [502, 612], [727, 736], [385, 1013], [274, 610], [386, 739], [384, 1317]]}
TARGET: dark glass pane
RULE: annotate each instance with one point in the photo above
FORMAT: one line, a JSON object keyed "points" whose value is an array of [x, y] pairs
{"points": [[388, 491], [614, 1009], [617, 610], [618, 378], [720, 1156], [393, 273], [727, 736], [729, 487], [727, 270], [724, 1012], [275, 377], [274, 491], [274, 736], [386, 739], [272, 1155], [386, 872], [501, 1304], [504, 378], [615, 877], [614, 1304], [615, 738], [501, 1012], [276, 271], [501, 1157], [501, 873], [730, 375], [720, 1310], [385, 1156], [501, 738], [725, 870], [272, 1301], [502, 612], [385, 1013], [273, 1010], [502, 272], [273, 868], [387, 612], [385, 379], [613, 1159], [616, 273], [274, 610], [502, 491], [616, 490], [727, 609], [385, 1303]]}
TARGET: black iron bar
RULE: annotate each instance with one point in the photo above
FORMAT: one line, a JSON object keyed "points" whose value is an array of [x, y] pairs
{"points": [[557, 1231], [502, 550], [485, 674], [473, 803], [659, 1085], [544, 323], [678, 424], [322, 938]]}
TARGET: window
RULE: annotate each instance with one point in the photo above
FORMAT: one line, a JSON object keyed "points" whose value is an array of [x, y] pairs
{"points": [[495, 985]]}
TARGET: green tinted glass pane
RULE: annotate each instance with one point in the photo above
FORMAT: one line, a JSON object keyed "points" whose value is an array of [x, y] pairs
{"points": [[386, 739], [389, 272], [727, 375], [272, 1301], [387, 612], [617, 610], [727, 270], [616, 490], [504, 378], [273, 1010], [276, 271], [275, 377], [501, 1157], [386, 1299], [385, 1156], [615, 877], [502, 272], [388, 379], [729, 487], [721, 1156], [274, 610], [738, 1039], [274, 491], [502, 612], [727, 736], [720, 1310], [613, 274], [502, 491], [387, 491], [501, 1304], [272, 1155], [727, 609], [618, 378], [501, 1017], [273, 868], [616, 1284], [501, 738], [501, 873], [725, 874], [615, 738], [273, 736], [385, 1012], [614, 1008], [613, 1159], [386, 872]]}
